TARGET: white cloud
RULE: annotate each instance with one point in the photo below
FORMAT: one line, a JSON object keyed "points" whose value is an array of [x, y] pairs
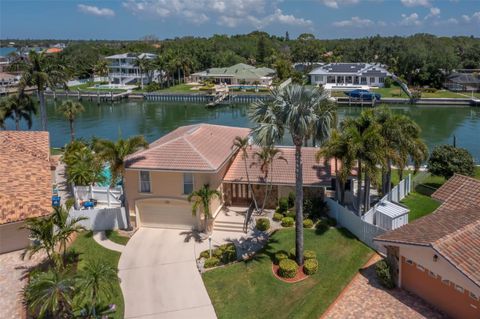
{"points": [[416, 3], [354, 22], [450, 21], [257, 13], [96, 11], [475, 17], [410, 20], [434, 12], [335, 4]]}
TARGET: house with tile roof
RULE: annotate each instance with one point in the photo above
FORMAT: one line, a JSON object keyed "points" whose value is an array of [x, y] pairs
{"points": [[159, 179], [240, 73], [25, 184], [437, 257]]}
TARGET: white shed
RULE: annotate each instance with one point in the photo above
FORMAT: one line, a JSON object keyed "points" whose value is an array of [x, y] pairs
{"points": [[390, 216]]}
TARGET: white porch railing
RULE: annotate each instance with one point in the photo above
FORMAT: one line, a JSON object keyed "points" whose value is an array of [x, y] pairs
{"points": [[103, 195]]}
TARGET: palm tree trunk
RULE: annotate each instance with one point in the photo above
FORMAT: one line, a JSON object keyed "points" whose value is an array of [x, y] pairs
{"points": [[389, 177], [250, 184], [342, 193], [125, 204], [141, 78], [366, 204], [298, 202], [72, 133], [43, 109], [359, 188]]}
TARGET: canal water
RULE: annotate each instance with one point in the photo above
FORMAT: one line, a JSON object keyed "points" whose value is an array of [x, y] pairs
{"points": [[153, 119]]}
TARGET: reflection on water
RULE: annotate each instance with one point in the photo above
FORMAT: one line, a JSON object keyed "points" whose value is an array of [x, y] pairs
{"points": [[154, 119]]}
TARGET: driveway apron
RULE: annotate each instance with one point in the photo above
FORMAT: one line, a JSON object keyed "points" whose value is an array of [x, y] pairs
{"points": [[159, 277]]}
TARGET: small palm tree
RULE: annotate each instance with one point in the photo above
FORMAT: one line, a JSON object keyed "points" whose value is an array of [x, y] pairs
{"points": [[50, 294], [18, 107], [43, 237], [243, 144], [141, 62], [65, 228], [95, 283], [70, 109], [201, 200], [101, 67]]}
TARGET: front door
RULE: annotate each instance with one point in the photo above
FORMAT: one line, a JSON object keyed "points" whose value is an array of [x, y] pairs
{"points": [[240, 194]]}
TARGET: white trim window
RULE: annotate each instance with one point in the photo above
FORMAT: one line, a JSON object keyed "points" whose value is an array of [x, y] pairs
{"points": [[187, 183], [145, 183], [409, 261]]}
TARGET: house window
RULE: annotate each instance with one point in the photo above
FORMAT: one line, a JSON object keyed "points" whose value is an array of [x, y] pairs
{"points": [[372, 80], [381, 80], [446, 282], [474, 296], [459, 288], [420, 267], [364, 80], [318, 78], [145, 182], [187, 183], [409, 261]]}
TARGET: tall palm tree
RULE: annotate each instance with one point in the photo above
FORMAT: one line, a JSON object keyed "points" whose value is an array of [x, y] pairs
{"points": [[18, 107], [243, 144], [141, 62], [95, 283], [44, 238], [65, 227], [42, 70], [201, 200], [50, 294], [101, 68], [297, 109], [70, 109]]}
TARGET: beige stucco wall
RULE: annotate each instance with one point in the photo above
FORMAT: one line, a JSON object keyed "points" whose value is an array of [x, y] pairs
{"points": [[12, 237]]}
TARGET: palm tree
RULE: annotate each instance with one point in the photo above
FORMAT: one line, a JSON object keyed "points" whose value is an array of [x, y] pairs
{"points": [[96, 282], [50, 294], [65, 227], [43, 237], [42, 70], [18, 106], [297, 109], [201, 200], [101, 68], [141, 62], [70, 110], [243, 144]]}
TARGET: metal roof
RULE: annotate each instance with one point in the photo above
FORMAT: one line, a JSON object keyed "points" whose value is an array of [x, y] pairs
{"points": [[359, 69], [391, 209]]}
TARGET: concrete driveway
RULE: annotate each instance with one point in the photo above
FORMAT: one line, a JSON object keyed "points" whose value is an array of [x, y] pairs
{"points": [[159, 277]]}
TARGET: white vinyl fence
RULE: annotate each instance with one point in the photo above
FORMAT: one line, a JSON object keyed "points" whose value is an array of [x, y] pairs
{"points": [[101, 218], [104, 195]]}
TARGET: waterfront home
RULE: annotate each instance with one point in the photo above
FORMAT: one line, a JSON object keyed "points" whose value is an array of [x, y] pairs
{"points": [[159, 179], [123, 70], [349, 75], [463, 81], [26, 184], [437, 257], [240, 73]]}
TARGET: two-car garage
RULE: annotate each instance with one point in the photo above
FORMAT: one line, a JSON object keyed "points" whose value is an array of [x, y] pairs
{"points": [[165, 213]]}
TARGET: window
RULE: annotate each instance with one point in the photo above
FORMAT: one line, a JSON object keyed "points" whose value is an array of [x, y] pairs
{"points": [[364, 80], [381, 80], [459, 288], [409, 261], [446, 282], [372, 80], [187, 183], [318, 78], [145, 182]]}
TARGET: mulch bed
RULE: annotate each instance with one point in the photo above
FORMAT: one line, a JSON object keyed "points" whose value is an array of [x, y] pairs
{"points": [[299, 277]]}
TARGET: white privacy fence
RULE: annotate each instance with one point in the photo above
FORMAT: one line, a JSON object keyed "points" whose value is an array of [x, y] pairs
{"points": [[104, 195], [99, 219]]}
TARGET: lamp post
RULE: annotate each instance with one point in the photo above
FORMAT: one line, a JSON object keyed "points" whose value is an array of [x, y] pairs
{"points": [[210, 245]]}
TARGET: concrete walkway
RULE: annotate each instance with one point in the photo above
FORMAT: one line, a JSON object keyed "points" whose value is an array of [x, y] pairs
{"points": [[159, 276], [101, 238]]}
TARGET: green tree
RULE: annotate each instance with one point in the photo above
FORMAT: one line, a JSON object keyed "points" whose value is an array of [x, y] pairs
{"points": [[101, 68], [447, 160], [18, 107], [70, 109], [296, 109], [201, 199], [43, 237], [65, 228], [142, 63], [243, 145], [84, 166]]}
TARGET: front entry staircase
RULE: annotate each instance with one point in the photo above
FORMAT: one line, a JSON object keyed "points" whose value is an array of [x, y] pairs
{"points": [[231, 219]]}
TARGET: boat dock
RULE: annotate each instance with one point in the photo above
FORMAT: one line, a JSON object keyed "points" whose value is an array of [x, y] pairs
{"points": [[89, 96]]}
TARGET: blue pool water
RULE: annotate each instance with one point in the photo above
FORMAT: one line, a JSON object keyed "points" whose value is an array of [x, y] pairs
{"points": [[243, 87]]}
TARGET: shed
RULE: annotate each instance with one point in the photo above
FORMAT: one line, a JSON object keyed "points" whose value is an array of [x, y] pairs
{"points": [[390, 216]]}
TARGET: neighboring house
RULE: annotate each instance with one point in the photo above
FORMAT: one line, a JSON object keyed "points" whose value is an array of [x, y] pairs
{"points": [[122, 68], [159, 179], [437, 257], [26, 184], [237, 74], [350, 75], [8, 79], [463, 82]]}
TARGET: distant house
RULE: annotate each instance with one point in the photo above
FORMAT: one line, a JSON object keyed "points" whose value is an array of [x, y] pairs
{"points": [[122, 68], [237, 74], [26, 184], [437, 257], [463, 82], [333, 75]]}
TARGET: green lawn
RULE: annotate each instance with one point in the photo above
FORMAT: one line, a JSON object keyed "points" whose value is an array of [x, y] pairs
{"points": [[89, 87], [393, 91], [88, 249], [180, 88], [249, 289], [477, 172], [419, 205], [114, 236]]}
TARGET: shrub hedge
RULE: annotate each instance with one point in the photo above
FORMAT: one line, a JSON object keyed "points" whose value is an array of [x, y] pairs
{"points": [[211, 262], [292, 253], [310, 266], [287, 221], [307, 223], [277, 217], [282, 205], [280, 255], [205, 254], [226, 253], [287, 268], [263, 224], [309, 254]]}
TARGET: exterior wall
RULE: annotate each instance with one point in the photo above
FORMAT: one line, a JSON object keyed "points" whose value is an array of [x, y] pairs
{"points": [[444, 296], [101, 218], [341, 79], [12, 237]]}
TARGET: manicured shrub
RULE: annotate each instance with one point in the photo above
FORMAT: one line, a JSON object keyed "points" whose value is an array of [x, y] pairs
{"points": [[211, 262], [282, 205], [280, 255], [229, 253], [384, 274], [205, 254], [307, 223], [277, 217], [263, 224], [292, 253], [322, 226], [287, 221], [291, 199], [287, 268], [310, 266], [217, 253], [309, 254], [292, 214]]}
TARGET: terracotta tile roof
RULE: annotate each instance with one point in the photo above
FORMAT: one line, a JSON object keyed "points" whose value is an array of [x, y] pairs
{"points": [[314, 173], [26, 180], [200, 147], [453, 229]]}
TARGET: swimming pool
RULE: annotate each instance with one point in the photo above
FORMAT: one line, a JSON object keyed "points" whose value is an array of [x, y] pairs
{"points": [[244, 87], [107, 174]]}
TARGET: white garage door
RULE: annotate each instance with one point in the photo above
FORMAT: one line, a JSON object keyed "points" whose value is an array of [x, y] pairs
{"points": [[166, 214]]}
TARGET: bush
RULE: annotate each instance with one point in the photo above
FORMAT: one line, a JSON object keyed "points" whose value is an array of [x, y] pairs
{"points": [[280, 255], [307, 223], [315, 208], [291, 199], [152, 87], [388, 82], [287, 268], [205, 254], [384, 274], [292, 253], [310, 266], [447, 160], [287, 222], [292, 214], [277, 217], [263, 224], [217, 252], [416, 95], [282, 205], [211, 262], [229, 253], [322, 226], [309, 254]]}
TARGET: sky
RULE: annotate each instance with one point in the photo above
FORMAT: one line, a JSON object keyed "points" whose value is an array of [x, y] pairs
{"points": [[326, 19]]}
